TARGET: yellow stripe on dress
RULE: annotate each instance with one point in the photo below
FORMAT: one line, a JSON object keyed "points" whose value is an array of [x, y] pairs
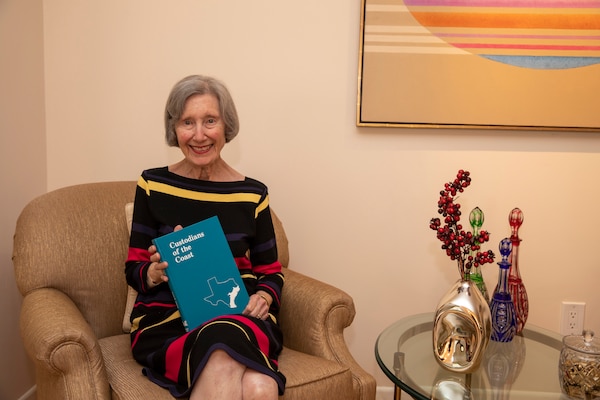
{"points": [[135, 324], [262, 206], [144, 185], [202, 196]]}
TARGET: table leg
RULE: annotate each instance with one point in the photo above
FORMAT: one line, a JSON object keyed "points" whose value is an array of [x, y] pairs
{"points": [[397, 393], [398, 364]]}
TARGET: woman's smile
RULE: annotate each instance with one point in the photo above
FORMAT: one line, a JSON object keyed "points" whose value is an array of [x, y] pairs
{"points": [[200, 150]]}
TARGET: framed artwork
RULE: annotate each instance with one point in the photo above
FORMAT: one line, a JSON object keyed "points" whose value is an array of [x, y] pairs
{"points": [[482, 64]]}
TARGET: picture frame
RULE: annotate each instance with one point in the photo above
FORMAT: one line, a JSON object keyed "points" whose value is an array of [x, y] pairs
{"points": [[458, 64]]}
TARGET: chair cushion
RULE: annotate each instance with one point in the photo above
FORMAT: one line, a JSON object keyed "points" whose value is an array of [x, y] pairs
{"points": [[125, 374], [308, 377]]}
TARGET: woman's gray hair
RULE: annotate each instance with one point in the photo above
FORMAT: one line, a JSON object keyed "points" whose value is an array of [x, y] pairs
{"points": [[199, 84]]}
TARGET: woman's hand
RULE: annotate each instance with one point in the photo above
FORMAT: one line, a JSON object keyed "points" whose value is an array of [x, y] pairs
{"points": [[156, 271], [258, 305]]}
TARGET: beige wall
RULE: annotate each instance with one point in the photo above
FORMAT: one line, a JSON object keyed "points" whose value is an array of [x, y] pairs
{"points": [[356, 202], [22, 166]]}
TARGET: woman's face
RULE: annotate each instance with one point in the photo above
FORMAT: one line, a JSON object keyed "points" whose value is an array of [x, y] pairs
{"points": [[200, 130]]}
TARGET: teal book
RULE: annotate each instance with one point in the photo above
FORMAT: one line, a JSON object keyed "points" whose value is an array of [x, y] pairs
{"points": [[202, 272]]}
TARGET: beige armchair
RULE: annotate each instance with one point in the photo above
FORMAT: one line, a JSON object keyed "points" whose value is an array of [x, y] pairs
{"points": [[69, 252]]}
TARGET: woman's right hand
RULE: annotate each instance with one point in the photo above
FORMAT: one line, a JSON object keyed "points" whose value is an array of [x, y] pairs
{"points": [[156, 271]]}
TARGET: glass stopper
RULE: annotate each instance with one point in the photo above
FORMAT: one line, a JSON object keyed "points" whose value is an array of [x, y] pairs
{"points": [[476, 218], [505, 248], [515, 220]]}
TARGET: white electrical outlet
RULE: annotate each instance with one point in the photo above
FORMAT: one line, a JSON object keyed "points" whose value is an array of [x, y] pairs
{"points": [[572, 317]]}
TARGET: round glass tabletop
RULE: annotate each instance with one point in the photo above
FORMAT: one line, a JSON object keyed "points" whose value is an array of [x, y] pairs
{"points": [[523, 369]]}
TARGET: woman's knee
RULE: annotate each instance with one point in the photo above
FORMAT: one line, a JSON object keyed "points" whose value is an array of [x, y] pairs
{"points": [[221, 361], [259, 386]]}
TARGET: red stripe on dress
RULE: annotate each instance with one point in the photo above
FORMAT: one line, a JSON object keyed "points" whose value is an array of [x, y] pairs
{"points": [[135, 254], [267, 269], [261, 338], [173, 358], [243, 263]]}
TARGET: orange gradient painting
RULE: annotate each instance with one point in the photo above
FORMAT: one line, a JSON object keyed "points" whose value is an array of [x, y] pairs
{"points": [[491, 64], [528, 33]]}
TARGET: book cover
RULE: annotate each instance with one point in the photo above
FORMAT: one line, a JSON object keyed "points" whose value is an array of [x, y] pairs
{"points": [[202, 272]]}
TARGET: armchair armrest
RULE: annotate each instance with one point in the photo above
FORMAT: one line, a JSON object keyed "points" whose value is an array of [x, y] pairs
{"points": [[65, 350], [313, 317]]}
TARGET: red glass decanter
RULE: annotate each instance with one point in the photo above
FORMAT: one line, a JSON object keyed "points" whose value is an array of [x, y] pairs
{"points": [[515, 283]]}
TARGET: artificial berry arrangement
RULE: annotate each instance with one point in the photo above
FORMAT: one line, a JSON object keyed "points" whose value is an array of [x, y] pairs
{"points": [[459, 245]]}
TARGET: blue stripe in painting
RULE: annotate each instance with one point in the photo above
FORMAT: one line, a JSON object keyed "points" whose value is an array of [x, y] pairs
{"points": [[545, 62]]}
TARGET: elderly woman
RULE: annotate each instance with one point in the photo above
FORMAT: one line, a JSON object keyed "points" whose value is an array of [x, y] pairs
{"points": [[232, 356]]}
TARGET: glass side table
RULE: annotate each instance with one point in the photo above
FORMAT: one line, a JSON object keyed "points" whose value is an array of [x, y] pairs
{"points": [[524, 369]]}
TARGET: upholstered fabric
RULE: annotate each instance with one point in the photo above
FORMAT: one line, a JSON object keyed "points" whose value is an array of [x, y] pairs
{"points": [[131, 292], [69, 249]]}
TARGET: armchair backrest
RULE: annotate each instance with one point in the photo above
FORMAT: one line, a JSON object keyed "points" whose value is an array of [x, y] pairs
{"points": [[75, 240]]}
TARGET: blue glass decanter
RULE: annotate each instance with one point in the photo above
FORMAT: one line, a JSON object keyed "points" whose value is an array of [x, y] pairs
{"points": [[502, 308]]}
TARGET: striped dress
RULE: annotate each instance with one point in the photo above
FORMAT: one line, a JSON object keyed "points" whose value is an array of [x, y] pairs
{"points": [[170, 356]]}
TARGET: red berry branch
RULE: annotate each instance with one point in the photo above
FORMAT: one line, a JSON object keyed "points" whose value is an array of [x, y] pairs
{"points": [[465, 247]]}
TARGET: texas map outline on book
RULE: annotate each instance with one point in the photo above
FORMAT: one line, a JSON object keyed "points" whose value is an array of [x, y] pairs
{"points": [[203, 276]]}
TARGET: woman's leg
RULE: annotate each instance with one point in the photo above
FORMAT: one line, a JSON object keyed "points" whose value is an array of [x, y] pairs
{"points": [[225, 378], [221, 378], [257, 386]]}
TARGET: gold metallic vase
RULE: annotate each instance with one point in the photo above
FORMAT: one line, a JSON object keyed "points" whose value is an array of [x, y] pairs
{"points": [[461, 328]]}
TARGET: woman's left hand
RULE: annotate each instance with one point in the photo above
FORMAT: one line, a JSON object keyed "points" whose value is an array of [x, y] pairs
{"points": [[258, 305]]}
